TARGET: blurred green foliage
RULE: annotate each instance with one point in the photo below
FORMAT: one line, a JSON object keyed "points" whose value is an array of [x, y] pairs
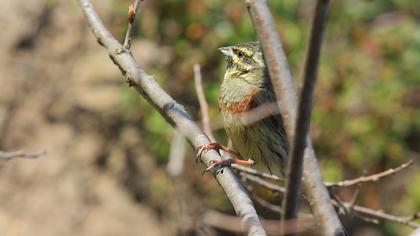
{"points": [[366, 115]]}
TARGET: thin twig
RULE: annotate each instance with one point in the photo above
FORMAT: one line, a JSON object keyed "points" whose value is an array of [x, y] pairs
{"points": [[176, 154], [252, 116], [21, 154], [369, 178], [256, 172], [379, 214], [346, 207], [262, 182], [175, 114], [204, 107], [295, 164], [344, 183], [268, 205], [283, 85], [132, 12]]}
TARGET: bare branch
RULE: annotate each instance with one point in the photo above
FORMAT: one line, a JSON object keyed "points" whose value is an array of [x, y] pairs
{"points": [[232, 223], [262, 182], [204, 107], [379, 214], [295, 163], [256, 172], [276, 62], [369, 178], [176, 154], [269, 205], [21, 154], [132, 12], [175, 114], [252, 116], [344, 183], [287, 99], [347, 207]]}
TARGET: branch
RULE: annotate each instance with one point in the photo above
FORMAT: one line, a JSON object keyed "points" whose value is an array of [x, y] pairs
{"points": [[176, 154], [204, 107], [262, 182], [344, 183], [21, 154], [287, 100], [132, 11], [255, 172], [379, 214], [369, 178], [362, 212], [175, 114], [232, 223], [294, 168], [252, 116]]}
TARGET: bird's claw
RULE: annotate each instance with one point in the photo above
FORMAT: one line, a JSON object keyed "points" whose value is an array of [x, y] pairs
{"points": [[215, 146], [217, 165], [204, 148]]}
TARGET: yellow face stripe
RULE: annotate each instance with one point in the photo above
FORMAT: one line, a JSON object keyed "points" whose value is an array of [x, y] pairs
{"points": [[243, 58], [246, 51]]}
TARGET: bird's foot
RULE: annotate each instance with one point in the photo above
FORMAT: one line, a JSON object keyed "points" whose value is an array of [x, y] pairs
{"points": [[218, 164], [214, 146]]}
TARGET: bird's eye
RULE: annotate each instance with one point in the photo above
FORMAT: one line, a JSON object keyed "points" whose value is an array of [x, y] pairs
{"points": [[241, 54]]}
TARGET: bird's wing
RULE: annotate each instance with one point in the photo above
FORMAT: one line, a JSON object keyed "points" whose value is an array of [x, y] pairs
{"points": [[273, 121]]}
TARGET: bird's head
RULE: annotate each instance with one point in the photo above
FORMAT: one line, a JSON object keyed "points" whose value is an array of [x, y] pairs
{"points": [[243, 58]]}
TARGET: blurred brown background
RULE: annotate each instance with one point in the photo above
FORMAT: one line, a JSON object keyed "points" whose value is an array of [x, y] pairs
{"points": [[105, 171]]}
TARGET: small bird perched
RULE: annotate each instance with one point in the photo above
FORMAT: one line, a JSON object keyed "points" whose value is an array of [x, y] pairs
{"points": [[247, 85]]}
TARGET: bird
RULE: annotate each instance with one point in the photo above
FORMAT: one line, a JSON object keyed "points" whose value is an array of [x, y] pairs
{"points": [[245, 87]]}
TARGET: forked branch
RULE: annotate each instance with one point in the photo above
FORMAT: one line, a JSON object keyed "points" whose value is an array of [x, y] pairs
{"points": [[132, 12], [174, 113]]}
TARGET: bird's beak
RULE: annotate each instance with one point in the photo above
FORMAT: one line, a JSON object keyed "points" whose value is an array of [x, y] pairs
{"points": [[227, 51]]}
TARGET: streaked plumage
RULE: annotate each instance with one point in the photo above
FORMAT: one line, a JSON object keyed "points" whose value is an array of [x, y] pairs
{"points": [[246, 85]]}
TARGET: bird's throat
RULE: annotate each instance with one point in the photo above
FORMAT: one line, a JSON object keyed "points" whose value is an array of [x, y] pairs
{"points": [[229, 62]]}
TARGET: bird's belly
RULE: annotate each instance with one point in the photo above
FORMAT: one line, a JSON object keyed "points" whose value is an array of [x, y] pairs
{"points": [[255, 141]]}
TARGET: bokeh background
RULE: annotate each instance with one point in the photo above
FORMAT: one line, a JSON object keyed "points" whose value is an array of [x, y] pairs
{"points": [[105, 171]]}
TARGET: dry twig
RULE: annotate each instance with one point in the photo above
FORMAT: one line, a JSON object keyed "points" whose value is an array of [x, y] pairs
{"points": [[176, 154], [21, 154], [251, 116], [255, 172], [364, 213], [378, 214], [132, 12], [369, 178], [204, 107], [344, 183], [174, 113]]}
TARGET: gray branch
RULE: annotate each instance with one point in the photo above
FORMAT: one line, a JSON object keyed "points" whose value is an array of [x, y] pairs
{"points": [[174, 113], [276, 60], [294, 169], [21, 154]]}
